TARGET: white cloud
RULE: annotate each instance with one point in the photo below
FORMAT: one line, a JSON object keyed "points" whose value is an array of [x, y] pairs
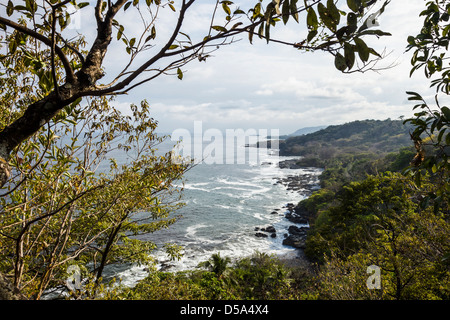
{"points": [[308, 89], [262, 86]]}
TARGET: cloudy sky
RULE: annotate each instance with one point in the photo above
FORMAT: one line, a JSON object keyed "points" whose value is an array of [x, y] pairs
{"points": [[273, 86]]}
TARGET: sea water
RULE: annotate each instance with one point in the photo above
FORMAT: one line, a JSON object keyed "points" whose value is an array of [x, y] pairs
{"points": [[224, 203]]}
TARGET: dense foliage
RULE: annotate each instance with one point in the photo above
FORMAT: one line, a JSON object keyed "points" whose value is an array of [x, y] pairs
{"points": [[69, 204], [67, 68], [383, 205], [257, 277], [370, 136]]}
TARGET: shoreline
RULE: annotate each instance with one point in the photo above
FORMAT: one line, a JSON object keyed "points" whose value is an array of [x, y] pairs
{"points": [[304, 185], [295, 223]]}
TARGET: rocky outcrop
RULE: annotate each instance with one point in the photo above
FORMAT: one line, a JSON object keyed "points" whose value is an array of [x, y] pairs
{"points": [[289, 164], [304, 183], [296, 214], [264, 232], [296, 218], [296, 237]]}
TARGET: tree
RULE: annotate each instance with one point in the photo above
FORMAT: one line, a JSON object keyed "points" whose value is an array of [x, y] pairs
{"points": [[57, 126], [67, 69], [70, 202], [431, 134], [216, 264], [380, 222], [60, 210]]}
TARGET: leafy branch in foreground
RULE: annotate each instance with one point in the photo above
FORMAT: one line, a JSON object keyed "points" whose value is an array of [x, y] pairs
{"points": [[65, 68], [431, 135], [70, 202]]}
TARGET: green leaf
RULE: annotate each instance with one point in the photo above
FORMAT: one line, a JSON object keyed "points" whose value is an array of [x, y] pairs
{"points": [[186, 35], [311, 35], [354, 5], [21, 8], [285, 11], [440, 135], [180, 74], [174, 46], [31, 6], [10, 8], [340, 62], [250, 34], [363, 49], [236, 25], [446, 112], [226, 8], [352, 22], [153, 33], [267, 34], [326, 18], [311, 19], [127, 5], [293, 7], [219, 28], [349, 54], [414, 96], [261, 30], [334, 12], [375, 32], [120, 32]]}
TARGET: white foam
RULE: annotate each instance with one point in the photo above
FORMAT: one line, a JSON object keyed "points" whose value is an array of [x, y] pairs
{"points": [[233, 203]]}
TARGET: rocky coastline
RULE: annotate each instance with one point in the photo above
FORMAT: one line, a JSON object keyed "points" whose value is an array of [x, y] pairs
{"points": [[304, 184]]}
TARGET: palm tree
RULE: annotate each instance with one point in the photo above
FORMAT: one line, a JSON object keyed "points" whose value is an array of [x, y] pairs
{"points": [[216, 264]]}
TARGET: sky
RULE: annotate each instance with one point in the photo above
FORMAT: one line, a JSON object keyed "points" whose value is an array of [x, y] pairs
{"points": [[261, 86]]}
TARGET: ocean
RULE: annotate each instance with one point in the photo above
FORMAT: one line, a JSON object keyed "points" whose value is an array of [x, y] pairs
{"points": [[224, 205]]}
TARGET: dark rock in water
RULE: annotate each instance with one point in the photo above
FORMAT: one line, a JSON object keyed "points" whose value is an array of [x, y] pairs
{"points": [[274, 212], [294, 230], [295, 241], [290, 205], [261, 235], [296, 218], [269, 229], [165, 266], [304, 184], [296, 237], [289, 164]]}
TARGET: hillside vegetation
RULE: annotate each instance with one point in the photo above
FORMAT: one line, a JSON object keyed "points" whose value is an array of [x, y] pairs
{"points": [[367, 215], [368, 136], [370, 211]]}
